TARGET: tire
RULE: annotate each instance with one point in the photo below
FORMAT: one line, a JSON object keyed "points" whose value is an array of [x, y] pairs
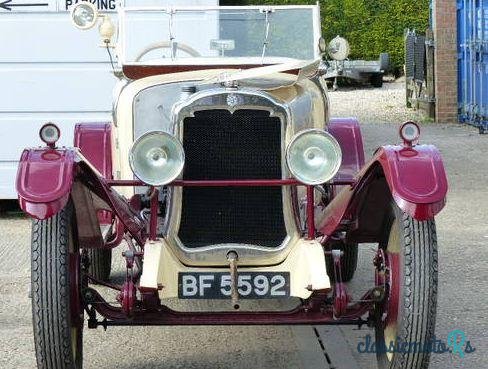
{"points": [[377, 80], [409, 309], [100, 263], [349, 261], [56, 308]]}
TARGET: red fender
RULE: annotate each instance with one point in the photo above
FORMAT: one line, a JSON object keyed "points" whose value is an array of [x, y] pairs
{"points": [[95, 142], [414, 177], [48, 177], [45, 176], [348, 134], [44, 181]]}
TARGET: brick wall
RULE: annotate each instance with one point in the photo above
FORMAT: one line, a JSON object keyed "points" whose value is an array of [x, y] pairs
{"points": [[445, 37]]}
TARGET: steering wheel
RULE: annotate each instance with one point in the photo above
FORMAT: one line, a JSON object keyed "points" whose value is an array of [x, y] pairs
{"points": [[167, 45]]}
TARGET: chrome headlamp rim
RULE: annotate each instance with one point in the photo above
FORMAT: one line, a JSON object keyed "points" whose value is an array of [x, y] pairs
{"points": [[409, 138], [94, 11], [179, 168], [321, 132], [52, 140]]}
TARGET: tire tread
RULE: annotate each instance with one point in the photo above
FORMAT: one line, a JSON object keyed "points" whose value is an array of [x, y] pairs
{"points": [[50, 291], [420, 288], [100, 263]]}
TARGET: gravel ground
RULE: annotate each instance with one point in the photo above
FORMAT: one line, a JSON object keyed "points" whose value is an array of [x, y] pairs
{"points": [[373, 105], [462, 232]]}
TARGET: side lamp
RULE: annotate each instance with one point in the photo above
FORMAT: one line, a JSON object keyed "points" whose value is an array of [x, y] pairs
{"points": [[85, 16]]}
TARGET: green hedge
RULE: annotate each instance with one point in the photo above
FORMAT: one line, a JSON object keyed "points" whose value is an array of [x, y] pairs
{"points": [[370, 26]]}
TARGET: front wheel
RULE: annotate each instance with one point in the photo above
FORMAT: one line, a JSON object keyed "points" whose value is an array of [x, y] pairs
{"points": [[100, 263], [405, 320], [56, 300]]}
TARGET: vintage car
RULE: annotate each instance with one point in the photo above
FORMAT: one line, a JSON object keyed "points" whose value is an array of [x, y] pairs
{"points": [[223, 178]]}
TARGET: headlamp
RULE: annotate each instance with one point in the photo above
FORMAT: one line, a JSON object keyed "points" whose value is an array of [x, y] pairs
{"points": [[314, 156], [157, 158]]}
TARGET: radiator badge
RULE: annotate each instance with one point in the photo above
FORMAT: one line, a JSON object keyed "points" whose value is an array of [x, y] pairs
{"points": [[232, 100]]}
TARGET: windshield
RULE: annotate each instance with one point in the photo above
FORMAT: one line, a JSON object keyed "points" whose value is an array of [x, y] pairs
{"points": [[224, 35]]}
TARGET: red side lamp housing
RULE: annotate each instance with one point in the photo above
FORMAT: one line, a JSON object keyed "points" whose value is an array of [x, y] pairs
{"points": [[410, 133], [49, 134]]}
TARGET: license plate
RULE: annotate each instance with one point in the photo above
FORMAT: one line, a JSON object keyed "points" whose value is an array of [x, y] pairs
{"points": [[251, 285]]}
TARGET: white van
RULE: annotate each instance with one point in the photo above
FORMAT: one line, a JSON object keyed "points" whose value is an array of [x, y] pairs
{"points": [[50, 71]]}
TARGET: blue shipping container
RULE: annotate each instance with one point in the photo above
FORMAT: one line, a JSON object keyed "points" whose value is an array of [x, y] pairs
{"points": [[473, 62]]}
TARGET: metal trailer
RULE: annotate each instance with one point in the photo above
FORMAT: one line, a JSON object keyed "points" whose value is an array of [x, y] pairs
{"points": [[473, 62], [48, 71], [363, 71], [339, 66]]}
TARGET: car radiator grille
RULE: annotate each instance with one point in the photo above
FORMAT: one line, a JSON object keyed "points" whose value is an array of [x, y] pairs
{"points": [[221, 145]]}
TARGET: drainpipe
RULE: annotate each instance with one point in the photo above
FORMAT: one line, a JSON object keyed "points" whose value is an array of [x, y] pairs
{"points": [[465, 59], [472, 53], [482, 61]]}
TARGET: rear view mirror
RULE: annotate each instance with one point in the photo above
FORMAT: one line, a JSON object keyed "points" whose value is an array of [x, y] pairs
{"points": [[222, 46]]}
